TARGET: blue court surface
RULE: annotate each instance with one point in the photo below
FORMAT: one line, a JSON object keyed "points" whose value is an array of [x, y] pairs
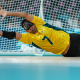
{"points": [[39, 68]]}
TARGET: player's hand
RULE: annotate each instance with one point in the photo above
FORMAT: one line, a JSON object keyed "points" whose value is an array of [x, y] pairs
{"points": [[3, 13]]}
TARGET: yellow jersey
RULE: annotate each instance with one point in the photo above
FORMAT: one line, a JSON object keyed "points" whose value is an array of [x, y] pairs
{"points": [[48, 39]]}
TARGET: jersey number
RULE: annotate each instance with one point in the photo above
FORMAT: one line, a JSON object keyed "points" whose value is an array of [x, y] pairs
{"points": [[45, 37]]}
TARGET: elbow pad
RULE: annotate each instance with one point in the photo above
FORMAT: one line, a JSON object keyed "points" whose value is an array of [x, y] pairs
{"points": [[9, 35]]}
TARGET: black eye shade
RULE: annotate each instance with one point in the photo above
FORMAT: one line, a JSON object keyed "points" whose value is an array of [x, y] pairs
{"points": [[27, 25]]}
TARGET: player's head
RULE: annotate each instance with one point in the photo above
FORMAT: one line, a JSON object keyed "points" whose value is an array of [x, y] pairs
{"points": [[28, 26]]}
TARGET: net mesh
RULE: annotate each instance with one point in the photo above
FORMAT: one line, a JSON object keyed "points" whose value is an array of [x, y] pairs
{"points": [[64, 14], [11, 23]]}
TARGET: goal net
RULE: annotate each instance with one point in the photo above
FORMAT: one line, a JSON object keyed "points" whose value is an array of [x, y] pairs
{"points": [[64, 14]]}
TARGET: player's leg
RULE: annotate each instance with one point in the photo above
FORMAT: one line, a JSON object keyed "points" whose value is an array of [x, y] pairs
{"points": [[74, 46]]}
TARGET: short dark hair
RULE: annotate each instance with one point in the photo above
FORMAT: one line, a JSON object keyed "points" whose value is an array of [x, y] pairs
{"points": [[24, 20]]}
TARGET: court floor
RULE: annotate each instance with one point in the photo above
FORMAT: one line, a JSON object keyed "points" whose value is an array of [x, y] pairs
{"points": [[39, 68]]}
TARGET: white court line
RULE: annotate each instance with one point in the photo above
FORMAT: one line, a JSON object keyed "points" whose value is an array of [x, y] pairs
{"points": [[61, 61]]}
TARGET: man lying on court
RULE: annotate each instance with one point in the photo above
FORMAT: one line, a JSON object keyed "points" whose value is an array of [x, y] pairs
{"points": [[39, 35]]}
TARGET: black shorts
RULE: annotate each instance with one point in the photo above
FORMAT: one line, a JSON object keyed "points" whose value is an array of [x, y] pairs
{"points": [[74, 49]]}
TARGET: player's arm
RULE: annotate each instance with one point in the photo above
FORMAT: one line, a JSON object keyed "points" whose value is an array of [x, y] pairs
{"points": [[11, 35], [5, 13]]}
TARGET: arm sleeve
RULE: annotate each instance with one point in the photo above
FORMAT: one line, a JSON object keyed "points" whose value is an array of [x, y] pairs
{"points": [[38, 21]]}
